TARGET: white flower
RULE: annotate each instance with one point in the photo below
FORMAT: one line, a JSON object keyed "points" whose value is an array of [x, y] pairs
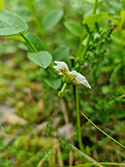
{"points": [[75, 77], [78, 79], [61, 67]]}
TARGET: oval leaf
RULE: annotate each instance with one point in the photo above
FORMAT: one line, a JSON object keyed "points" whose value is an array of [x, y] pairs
{"points": [[1, 5], [113, 20], [51, 19], [42, 58], [11, 24], [122, 15], [50, 78], [53, 82], [90, 21], [9, 31], [60, 53], [74, 28], [36, 41], [25, 14]]}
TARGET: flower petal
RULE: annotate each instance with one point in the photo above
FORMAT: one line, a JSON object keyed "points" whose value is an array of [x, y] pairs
{"points": [[80, 78], [85, 82], [77, 78], [61, 65]]}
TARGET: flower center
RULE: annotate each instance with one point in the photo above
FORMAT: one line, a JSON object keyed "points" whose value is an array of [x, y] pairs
{"points": [[74, 81], [63, 70]]}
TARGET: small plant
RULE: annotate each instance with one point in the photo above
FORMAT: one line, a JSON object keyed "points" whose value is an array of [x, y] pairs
{"points": [[90, 43]]}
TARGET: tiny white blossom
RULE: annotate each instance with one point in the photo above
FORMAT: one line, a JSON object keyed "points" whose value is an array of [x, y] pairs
{"points": [[61, 67], [79, 79], [75, 77]]}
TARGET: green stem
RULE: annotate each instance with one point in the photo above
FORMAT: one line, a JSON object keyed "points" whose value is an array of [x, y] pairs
{"points": [[86, 46], [61, 92], [28, 42], [113, 101], [37, 22], [88, 37], [80, 44], [78, 120], [123, 3], [64, 87], [100, 163], [95, 6], [102, 130], [41, 31]]}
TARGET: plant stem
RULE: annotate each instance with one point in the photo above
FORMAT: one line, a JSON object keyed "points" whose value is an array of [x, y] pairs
{"points": [[95, 6], [113, 101], [28, 42], [101, 163], [89, 35], [61, 92], [78, 120], [102, 130], [64, 87], [80, 44], [37, 22], [41, 31]]}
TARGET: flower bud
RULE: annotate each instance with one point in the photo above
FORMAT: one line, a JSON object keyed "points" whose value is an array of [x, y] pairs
{"points": [[67, 79]]}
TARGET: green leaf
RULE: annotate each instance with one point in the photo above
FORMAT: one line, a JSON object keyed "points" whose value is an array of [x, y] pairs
{"points": [[123, 32], [106, 89], [115, 5], [50, 78], [74, 28], [17, 37], [115, 73], [122, 15], [11, 24], [99, 18], [9, 31], [116, 37], [113, 20], [52, 82], [93, 1], [25, 14], [42, 58], [51, 19], [60, 53], [1, 5], [36, 41]]}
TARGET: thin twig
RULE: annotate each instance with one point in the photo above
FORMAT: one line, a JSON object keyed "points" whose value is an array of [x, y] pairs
{"points": [[85, 155]]}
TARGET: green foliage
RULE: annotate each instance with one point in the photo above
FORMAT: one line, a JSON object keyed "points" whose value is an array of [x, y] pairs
{"points": [[61, 53], [1, 4], [11, 24], [9, 31], [36, 41], [96, 18], [74, 28], [50, 78], [122, 15], [42, 58], [51, 19], [25, 14], [52, 82], [92, 1]]}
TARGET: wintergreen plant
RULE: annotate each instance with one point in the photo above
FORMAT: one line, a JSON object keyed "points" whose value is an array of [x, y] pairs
{"points": [[14, 25]]}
